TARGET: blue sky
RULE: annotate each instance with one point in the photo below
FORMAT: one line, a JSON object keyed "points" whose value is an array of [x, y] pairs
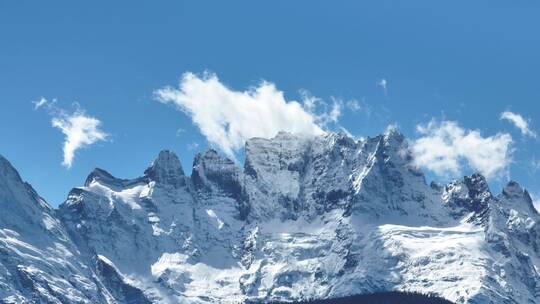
{"points": [[463, 62]]}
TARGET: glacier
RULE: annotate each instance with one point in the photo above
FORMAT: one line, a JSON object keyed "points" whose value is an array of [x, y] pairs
{"points": [[305, 218]]}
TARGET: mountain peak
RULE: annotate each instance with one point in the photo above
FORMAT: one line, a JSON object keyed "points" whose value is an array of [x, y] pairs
{"points": [[2, 159], [207, 154], [99, 175], [471, 194], [513, 189], [211, 158], [514, 195], [341, 139], [478, 186], [166, 169], [213, 171], [7, 170], [392, 135]]}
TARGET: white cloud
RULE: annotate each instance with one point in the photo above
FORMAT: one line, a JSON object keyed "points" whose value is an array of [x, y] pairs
{"points": [[518, 121], [444, 148], [393, 127], [349, 134], [40, 103], [319, 109], [359, 106], [309, 102], [336, 112], [227, 118], [193, 146], [535, 165], [354, 105], [80, 129], [331, 116], [384, 85], [180, 131]]}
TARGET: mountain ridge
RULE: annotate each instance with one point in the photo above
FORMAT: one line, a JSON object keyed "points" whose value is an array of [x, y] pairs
{"points": [[306, 218]]}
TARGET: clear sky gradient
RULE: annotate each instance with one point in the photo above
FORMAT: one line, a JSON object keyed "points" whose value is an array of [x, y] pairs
{"points": [[464, 61]]}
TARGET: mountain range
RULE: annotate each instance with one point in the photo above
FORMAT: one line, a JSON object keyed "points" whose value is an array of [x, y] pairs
{"points": [[306, 218]]}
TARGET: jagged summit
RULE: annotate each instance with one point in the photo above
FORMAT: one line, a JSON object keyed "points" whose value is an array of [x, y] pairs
{"points": [[394, 136], [100, 175], [214, 172], [3, 160], [210, 157], [479, 190], [513, 190], [469, 195], [166, 169], [519, 197], [18, 200], [7, 171], [477, 184]]}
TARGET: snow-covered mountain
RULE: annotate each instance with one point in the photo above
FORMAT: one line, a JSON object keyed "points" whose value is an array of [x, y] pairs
{"points": [[38, 261], [305, 218]]}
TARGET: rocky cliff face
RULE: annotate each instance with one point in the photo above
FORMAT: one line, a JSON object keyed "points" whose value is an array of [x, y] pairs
{"points": [[305, 218]]}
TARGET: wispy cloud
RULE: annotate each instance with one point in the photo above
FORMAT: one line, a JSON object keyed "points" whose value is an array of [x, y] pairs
{"points": [[227, 117], [323, 113], [383, 83], [42, 101], [445, 148], [519, 122], [354, 105], [309, 101], [180, 131], [535, 165], [80, 130], [329, 115], [193, 146]]}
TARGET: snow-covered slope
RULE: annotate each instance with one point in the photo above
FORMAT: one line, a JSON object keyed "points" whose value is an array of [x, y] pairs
{"points": [[38, 262], [306, 218]]}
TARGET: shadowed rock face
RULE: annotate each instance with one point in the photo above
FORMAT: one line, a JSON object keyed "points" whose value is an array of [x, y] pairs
{"points": [[216, 174], [122, 291], [166, 170], [469, 196], [306, 218]]}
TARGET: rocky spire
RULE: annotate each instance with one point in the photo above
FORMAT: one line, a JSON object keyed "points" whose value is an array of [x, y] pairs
{"points": [[470, 195], [513, 195], [478, 189], [166, 169], [212, 172]]}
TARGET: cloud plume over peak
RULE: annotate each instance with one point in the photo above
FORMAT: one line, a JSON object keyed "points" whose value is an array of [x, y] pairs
{"points": [[227, 117], [445, 148]]}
